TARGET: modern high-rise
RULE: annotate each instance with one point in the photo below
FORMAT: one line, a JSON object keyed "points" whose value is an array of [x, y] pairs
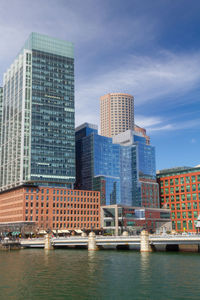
{"points": [[97, 164], [122, 168], [117, 113], [37, 134]]}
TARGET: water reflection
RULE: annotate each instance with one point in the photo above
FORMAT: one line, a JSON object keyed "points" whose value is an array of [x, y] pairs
{"points": [[92, 261], [46, 257], [144, 266], [144, 258], [81, 274]]}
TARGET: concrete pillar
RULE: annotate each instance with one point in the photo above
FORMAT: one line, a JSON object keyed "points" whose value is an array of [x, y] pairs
{"points": [[92, 242], [144, 242], [47, 242], [116, 221]]}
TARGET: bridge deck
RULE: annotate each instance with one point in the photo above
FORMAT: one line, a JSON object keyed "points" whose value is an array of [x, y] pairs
{"points": [[113, 241]]}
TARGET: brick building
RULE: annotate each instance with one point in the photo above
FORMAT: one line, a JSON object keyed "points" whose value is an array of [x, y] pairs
{"points": [[180, 192], [51, 208]]}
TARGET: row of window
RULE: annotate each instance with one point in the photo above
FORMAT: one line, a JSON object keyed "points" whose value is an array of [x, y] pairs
{"points": [[68, 225], [63, 192], [184, 215], [72, 212], [62, 198], [63, 219], [181, 189], [181, 225], [183, 205], [182, 197], [31, 204], [181, 180]]}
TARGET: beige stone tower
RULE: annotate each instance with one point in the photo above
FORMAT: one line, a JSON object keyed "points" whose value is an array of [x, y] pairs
{"points": [[117, 113]]}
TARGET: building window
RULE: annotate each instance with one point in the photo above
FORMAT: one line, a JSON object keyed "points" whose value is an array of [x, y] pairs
{"points": [[194, 187], [176, 181], [194, 196], [187, 188]]}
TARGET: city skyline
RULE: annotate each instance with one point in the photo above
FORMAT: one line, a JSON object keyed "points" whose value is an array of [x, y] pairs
{"points": [[150, 51]]}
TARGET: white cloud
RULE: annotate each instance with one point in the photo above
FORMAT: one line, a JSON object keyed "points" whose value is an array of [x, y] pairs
{"points": [[102, 41], [91, 25], [146, 122], [165, 125], [147, 78]]}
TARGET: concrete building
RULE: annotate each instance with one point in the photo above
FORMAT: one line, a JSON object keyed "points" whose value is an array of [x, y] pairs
{"points": [[50, 208], [119, 218], [122, 168], [37, 136], [180, 192], [116, 113]]}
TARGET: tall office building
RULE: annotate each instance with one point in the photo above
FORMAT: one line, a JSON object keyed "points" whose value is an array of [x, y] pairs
{"points": [[37, 135], [122, 168], [97, 163], [138, 170], [117, 113]]}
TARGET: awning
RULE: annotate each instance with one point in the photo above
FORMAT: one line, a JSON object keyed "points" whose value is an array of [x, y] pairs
{"points": [[78, 231], [65, 231], [42, 232], [57, 231]]}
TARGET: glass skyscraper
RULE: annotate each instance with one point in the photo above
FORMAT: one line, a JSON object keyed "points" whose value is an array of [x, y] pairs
{"points": [[97, 163], [122, 168], [138, 170], [37, 134]]}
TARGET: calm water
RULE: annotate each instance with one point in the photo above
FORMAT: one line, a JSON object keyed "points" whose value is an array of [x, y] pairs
{"points": [[79, 274]]}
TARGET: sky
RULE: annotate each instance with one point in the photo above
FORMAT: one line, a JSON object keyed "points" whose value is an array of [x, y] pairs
{"points": [[149, 49]]}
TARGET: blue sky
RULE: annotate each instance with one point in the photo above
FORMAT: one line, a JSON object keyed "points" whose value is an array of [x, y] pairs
{"points": [[150, 49]]}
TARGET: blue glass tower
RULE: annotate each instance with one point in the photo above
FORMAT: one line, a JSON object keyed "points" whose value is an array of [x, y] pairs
{"points": [[122, 168], [38, 138], [97, 163], [138, 170]]}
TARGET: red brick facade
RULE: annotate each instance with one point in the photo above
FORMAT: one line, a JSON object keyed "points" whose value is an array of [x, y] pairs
{"points": [[51, 208], [180, 191], [149, 193]]}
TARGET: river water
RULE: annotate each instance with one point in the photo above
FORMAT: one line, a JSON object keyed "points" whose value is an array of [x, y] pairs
{"points": [[79, 274]]}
